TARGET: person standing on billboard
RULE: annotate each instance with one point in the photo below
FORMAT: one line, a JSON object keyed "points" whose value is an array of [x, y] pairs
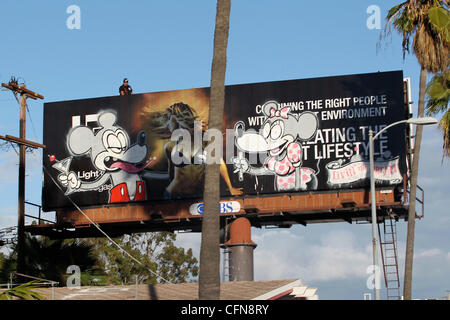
{"points": [[125, 89]]}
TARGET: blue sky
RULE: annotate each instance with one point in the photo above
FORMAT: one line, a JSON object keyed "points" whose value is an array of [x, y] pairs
{"points": [[167, 45]]}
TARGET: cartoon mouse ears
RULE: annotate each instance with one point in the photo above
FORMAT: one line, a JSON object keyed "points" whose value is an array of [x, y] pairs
{"points": [[107, 119], [308, 125], [81, 139], [268, 106]]}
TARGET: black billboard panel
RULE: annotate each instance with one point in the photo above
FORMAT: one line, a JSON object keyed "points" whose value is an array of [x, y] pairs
{"points": [[278, 137]]}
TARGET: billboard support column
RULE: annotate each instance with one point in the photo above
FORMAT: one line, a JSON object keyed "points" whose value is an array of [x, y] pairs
{"points": [[241, 249]]}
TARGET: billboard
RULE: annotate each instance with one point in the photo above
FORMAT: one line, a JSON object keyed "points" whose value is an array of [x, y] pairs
{"points": [[278, 137]]}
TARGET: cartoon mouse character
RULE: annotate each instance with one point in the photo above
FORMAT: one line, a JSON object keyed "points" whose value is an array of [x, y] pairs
{"points": [[280, 136], [112, 154]]}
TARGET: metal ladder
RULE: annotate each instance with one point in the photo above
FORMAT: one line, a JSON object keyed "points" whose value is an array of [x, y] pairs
{"points": [[226, 265], [225, 257], [389, 258]]}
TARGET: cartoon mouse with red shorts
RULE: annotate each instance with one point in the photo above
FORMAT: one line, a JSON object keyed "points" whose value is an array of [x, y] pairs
{"points": [[112, 155], [281, 136]]}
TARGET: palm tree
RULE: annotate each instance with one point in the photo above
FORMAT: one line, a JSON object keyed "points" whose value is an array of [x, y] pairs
{"points": [[209, 277], [49, 259], [411, 18]]}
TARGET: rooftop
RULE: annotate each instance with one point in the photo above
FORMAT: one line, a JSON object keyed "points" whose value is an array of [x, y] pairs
{"points": [[235, 290]]}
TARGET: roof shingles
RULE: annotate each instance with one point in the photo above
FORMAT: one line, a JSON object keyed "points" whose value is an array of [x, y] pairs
{"points": [[235, 290]]}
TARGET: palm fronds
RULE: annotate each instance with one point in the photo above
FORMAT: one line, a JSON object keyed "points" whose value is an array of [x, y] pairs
{"points": [[22, 292], [438, 96]]}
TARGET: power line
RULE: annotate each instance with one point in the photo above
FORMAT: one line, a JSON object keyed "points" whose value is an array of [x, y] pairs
{"points": [[31, 120], [99, 229]]}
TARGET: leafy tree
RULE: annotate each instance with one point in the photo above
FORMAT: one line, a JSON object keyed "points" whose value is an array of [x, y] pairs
{"points": [[159, 259], [175, 264]]}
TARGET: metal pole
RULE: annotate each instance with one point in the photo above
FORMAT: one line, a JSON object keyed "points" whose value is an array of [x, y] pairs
{"points": [[410, 234], [136, 293], [374, 217], [21, 197], [10, 281], [241, 249]]}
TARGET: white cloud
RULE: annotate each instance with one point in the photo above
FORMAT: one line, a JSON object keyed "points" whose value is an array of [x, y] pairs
{"points": [[430, 266], [428, 253], [8, 167], [8, 217], [7, 221], [337, 255]]}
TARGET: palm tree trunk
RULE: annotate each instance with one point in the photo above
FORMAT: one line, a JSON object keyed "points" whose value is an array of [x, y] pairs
{"points": [[407, 286], [209, 277]]}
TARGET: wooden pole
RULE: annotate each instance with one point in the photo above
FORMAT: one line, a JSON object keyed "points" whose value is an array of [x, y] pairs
{"points": [[21, 204]]}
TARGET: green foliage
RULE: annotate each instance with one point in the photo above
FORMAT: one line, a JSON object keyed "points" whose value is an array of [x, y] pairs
{"points": [[7, 266], [49, 259], [439, 18], [22, 292], [102, 263], [438, 93], [438, 96], [119, 268], [156, 253], [176, 265]]}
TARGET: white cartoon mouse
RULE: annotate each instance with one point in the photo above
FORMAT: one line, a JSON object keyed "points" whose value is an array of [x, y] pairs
{"points": [[280, 136], [112, 154]]}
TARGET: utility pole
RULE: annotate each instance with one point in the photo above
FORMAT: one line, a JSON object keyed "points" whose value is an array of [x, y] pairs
{"points": [[23, 143]]}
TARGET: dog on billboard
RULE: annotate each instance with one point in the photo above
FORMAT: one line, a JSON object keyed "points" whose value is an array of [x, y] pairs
{"points": [[112, 154], [280, 137]]}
